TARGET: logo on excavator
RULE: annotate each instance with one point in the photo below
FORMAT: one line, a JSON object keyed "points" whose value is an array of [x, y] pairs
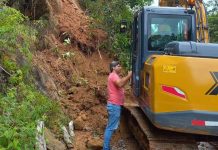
{"points": [[214, 89], [169, 68]]}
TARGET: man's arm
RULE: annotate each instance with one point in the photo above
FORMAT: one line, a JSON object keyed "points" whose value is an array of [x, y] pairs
{"points": [[122, 82]]}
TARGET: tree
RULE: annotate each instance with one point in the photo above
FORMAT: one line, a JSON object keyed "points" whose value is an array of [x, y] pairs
{"points": [[133, 3], [21, 105], [108, 15], [213, 27], [212, 7]]}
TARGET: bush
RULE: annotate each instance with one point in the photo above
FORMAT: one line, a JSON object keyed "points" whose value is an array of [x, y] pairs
{"points": [[14, 34], [213, 27], [21, 105], [107, 16]]}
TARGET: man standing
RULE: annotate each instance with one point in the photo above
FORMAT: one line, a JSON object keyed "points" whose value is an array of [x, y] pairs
{"points": [[115, 100]]}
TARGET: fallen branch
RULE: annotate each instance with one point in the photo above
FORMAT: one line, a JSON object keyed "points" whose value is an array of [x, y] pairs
{"points": [[2, 69], [99, 50]]}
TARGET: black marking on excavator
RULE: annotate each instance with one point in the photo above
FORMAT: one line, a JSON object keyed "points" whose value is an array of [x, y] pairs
{"points": [[214, 89]]}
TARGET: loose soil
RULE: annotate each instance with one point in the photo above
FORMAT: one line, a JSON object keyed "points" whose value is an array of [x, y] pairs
{"points": [[80, 77]]}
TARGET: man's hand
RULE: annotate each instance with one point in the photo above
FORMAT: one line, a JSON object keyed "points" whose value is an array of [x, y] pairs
{"points": [[129, 73], [122, 82]]}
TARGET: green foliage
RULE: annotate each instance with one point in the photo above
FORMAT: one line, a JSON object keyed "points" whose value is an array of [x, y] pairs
{"points": [[21, 105], [2, 2], [213, 27], [67, 41], [121, 47], [8, 63], [134, 3], [14, 34], [212, 7], [107, 16]]}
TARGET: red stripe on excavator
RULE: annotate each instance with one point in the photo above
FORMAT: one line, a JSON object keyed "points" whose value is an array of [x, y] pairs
{"points": [[204, 123], [198, 123], [173, 90]]}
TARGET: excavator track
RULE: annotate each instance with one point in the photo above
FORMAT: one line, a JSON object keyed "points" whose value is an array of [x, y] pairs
{"points": [[151, 138]]}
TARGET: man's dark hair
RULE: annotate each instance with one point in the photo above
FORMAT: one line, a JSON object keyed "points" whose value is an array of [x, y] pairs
{"points": [[113, 64]]}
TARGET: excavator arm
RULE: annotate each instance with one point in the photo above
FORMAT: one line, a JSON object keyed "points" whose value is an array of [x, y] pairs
{"points": [[201, 18], [173, 3]]}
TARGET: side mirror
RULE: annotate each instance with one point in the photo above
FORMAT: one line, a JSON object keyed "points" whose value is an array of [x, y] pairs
{"points": [[123, 26]]}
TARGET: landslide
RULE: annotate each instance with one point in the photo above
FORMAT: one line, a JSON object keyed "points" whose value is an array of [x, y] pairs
{"points": [[75, 72], [69, 67]]}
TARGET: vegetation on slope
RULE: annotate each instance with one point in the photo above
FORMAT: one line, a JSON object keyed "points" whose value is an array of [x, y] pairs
{"points": [[21, 105], [108, 16]]}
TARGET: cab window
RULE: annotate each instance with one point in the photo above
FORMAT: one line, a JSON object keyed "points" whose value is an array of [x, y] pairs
{"points": [[163, 29]]}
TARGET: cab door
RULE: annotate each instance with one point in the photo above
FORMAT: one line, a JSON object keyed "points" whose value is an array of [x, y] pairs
{"points": [[136, 53]]}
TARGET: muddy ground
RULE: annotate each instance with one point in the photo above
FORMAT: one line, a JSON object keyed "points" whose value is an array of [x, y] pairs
{"points": [[75, 73]]}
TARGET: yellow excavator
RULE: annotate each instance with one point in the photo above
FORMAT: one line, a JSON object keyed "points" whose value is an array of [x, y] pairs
{"points": [[175, 72]]}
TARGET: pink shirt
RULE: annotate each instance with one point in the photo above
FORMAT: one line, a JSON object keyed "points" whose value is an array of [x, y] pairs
{"points": [[115, 93]]}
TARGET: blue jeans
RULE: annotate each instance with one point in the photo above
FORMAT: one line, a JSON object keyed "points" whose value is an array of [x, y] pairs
{"points": [[114, 112]]}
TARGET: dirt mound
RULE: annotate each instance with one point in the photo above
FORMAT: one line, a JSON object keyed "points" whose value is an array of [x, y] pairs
{"points": [[71, 22], [80, 80], [65, 73]]}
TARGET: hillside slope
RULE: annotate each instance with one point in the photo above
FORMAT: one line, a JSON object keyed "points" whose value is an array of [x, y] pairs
{"points": [[76, 73], [71, 69]]}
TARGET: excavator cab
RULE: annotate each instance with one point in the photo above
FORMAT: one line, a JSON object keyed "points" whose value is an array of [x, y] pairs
{"points": [[152, 29]]}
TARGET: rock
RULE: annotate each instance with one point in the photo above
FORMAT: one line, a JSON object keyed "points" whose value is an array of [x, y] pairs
{"points": [[71, 129], [205, 146], [94, 144], [84, 117], [87, 128], [72, 90], [49, 42], [86, 105], [45, 83], [52, 142], [120, 145], [41, 144], [55, 6], [67, 139], [101, 95], [79, 123]]}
